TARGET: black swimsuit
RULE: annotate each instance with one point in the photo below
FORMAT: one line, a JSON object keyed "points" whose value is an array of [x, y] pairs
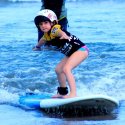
{"points": [[67, 47]]}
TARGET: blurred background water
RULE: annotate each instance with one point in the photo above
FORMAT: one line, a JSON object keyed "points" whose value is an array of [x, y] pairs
{"points": [[99, 23]]}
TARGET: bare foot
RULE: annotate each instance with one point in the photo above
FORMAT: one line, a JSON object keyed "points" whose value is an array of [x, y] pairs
{"points": [[64, 96], [57, 96], [69, 96]]}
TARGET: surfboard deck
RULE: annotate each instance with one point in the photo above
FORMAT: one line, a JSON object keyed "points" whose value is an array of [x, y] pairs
{"points": [[82, 106]]}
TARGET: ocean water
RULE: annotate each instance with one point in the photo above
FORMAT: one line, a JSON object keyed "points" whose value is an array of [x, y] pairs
{"points": [[99, 23]]}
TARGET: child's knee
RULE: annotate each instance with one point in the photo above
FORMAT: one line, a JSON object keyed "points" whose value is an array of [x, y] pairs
{"points": [[58, 70], [66, 69]]}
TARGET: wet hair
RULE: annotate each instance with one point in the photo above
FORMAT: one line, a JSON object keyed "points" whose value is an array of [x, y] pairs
{"points": [[39, 19], [54, 5]]}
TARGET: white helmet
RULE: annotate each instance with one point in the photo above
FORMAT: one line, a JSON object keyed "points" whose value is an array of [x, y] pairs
{"points": [[45, 15]]}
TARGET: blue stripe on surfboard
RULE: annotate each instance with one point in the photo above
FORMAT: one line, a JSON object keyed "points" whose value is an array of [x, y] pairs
{"points": [[32, 101]]}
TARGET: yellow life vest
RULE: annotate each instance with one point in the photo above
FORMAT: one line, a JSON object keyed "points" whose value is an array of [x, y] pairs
{"points": [[53, 33]]}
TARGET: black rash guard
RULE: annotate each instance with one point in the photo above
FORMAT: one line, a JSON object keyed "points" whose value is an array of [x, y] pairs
{"points": [[66, 46]]}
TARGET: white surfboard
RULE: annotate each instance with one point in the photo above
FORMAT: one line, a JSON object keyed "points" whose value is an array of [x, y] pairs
{"points": [[93, 104], [79, 101]]}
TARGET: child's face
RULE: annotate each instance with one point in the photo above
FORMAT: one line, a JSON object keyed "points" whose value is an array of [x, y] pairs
{"points": [[45, 26]]}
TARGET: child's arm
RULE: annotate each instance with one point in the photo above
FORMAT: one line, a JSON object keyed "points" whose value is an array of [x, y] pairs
{"points": [[63, 35], [38, 46]]}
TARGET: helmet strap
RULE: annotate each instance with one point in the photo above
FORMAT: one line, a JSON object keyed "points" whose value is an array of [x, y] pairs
{"points": [[55, 22]]}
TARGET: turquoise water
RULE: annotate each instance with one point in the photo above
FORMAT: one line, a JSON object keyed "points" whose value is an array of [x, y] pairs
{"points": [[100, 24]]}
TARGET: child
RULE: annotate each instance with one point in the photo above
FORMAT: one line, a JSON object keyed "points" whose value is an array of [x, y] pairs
{"points": [[58, 7], [68, 44]]}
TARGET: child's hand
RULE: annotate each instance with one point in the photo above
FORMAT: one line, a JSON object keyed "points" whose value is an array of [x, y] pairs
{"points": [[36, 48]]}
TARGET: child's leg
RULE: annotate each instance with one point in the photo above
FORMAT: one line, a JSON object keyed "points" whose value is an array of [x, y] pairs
{"points": [[74, 60], [60, 75], [59, 71]]}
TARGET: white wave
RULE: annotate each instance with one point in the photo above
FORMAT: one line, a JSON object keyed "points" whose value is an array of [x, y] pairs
{"points": [[8, 98], [25, 0]]}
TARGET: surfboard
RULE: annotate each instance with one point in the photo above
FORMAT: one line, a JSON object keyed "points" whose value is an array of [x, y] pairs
{"points": [[32, 100], [87, 105]]}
